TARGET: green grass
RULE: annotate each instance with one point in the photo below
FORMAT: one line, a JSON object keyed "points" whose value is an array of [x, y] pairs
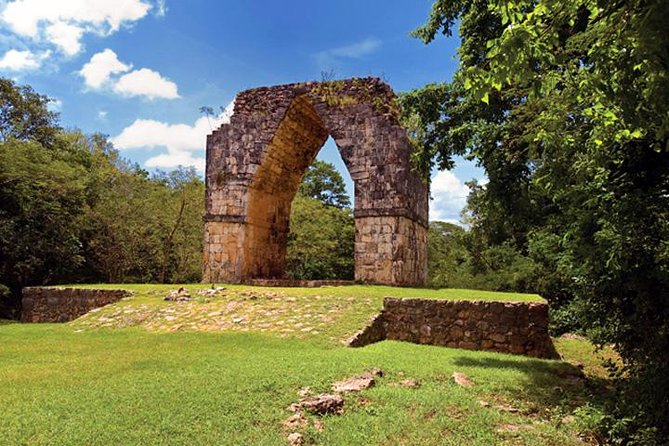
{"points": [[378, 292], [329, 313], [77, 383]]}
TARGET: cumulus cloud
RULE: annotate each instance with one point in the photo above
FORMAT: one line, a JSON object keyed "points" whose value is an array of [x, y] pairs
{"points": [[147, 83], [449, 196], [62, 23], [184, 143], [15, 60], [67, 37], [357, 50], [100, 70]]}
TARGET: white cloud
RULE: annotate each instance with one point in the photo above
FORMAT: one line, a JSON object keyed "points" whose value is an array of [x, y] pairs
{"points": [[171, 160], [102, 115], [356, 50], [449, 196], [15, 60], [98, 73], [98, 70], [184, 143], [162, 8], [65, 36], [63, 23], [148, 83]]}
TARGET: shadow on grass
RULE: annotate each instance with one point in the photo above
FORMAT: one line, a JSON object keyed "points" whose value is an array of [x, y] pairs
{"points": [[8, 321], [555, 385]]}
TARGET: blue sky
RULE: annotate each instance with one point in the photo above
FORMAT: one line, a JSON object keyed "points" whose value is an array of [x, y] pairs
{"points": [[139, 70]]}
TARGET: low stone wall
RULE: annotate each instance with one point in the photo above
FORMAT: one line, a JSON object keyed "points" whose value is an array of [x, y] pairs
{"points": [[42, 304], [508, 327], [294, 283]]}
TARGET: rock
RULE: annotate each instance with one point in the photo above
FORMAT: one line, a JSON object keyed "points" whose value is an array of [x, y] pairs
{"points": [[180, 295], [304, 391], [484, 403], [319, 425], [410, 383], [296, 421], [322, 404], [296, 439], [507, 408], [354, 384], [211, 292], [568, 419], [573, 336], [376, 372], [462, 380]]}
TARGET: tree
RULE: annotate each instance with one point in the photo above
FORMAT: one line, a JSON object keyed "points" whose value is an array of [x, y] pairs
{"points": [[322, 228], [324, 183], [40, 195], [142, 228], [321, 241], [446, 253], [573, 98], [24, 115], [182, 237], [41, 210]]}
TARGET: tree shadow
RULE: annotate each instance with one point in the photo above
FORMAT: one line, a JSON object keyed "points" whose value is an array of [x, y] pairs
{"points": [[560, 387]]}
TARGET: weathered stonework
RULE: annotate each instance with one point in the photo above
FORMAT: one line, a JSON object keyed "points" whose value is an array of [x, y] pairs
{"points": [[43, 304], [508, 327], [256, 162]]}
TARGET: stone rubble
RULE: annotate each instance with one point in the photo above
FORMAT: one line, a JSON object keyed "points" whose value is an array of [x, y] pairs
{"points": [[211, 292], [462, 380], [180, 295]]}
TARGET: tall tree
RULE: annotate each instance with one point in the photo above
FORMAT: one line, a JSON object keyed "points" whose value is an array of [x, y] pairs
{"points": [[573, 97], [41, 210], [24, 114], [322, 229], [324, 183], [41, 193]]}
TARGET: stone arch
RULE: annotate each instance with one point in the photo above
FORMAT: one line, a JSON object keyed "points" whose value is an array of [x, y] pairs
{"points": [[256, 162]]}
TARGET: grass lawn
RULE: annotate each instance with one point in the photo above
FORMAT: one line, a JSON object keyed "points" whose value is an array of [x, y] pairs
{"points": [[125, 375], [326, 313]]}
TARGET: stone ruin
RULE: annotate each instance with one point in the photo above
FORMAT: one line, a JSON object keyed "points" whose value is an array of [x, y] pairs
{"points": [[256, 162]]}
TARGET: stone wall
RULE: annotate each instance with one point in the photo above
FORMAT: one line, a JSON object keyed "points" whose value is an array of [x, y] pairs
{"points": [[508, 327], [256, 162], [43, 304]]}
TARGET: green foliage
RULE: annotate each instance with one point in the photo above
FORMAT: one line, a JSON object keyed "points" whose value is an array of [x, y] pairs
{"points": [[71, 209], [566, 106], [446, 254], [321, 241], [24, 115], [41, 209], [322, 229], [456, 259], [324, 183]]}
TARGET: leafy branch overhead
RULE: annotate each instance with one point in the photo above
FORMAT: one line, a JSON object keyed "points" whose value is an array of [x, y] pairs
{"points": [[566, 106]]}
